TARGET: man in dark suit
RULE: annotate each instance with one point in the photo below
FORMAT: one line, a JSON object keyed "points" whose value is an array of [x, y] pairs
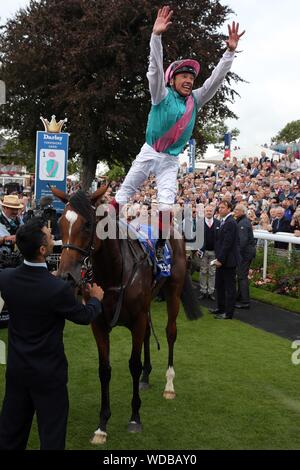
{"points": [[247, 253], [227, 258], [37, 369]]}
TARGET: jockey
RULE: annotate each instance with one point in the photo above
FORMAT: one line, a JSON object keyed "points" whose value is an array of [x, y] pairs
{"points": [[171, 120]]}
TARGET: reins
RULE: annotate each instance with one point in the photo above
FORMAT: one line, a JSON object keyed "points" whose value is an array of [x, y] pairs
{"points": [[87, 271], [87, 267]]}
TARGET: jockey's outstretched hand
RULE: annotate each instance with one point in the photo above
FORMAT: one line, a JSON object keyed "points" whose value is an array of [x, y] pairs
{"points": [[233, 36], [162, 22]]}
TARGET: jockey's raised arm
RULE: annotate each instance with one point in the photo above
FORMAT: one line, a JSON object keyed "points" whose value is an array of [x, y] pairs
{"points": [[155, 73]]}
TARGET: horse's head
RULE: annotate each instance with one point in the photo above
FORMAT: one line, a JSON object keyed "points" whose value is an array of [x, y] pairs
{"points": [[77, 229]]}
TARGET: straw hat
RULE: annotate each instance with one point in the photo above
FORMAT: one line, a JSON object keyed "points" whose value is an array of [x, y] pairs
{"points": [[12, 201]]}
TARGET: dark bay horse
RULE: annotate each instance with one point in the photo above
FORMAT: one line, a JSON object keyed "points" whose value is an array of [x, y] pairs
{"points": [[121, 267]]}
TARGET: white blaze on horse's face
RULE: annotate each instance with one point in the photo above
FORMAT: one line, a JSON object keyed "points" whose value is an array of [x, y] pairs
{"points": [[71, 217]]}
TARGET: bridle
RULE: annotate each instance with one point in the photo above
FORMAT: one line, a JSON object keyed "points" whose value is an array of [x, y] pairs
{"points": [[86, 254]]}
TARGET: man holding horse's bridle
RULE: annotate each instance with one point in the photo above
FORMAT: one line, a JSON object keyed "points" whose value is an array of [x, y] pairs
{"points": [[172, 119], [37, 368]]}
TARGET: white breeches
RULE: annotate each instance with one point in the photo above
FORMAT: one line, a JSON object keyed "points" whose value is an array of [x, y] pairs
{"points": [[165, 169]]}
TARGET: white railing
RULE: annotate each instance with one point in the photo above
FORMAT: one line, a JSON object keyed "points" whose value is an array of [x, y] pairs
{"points": [[261, 235], [277, 237]]}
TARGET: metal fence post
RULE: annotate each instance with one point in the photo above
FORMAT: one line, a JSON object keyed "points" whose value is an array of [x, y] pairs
{"points": [[265, 259], [2, 352], [2, 92], [290, 252]]}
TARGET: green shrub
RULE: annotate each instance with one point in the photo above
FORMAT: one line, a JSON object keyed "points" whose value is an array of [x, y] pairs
{"points": [[283, 273]]}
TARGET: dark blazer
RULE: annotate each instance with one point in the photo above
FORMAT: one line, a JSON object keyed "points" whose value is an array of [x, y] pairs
{"points": [[282, 225], [227, 243], [38, 304], [246, 238]]}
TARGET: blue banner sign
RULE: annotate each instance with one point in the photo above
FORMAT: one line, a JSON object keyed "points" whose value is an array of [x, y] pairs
{"points": [[227, 140], [51, 165], [192, 154]]}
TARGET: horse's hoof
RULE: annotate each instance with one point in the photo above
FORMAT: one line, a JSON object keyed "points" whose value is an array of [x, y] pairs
{"points": [[144, 386], [99, 437], [135, 427], [169, 395]]}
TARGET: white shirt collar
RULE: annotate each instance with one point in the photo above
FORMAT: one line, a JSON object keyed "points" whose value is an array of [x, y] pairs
{"points": [[226, 217], [36, 265]]}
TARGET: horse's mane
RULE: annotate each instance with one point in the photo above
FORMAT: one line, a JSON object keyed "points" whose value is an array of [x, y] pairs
{"points": [[82, 204]]}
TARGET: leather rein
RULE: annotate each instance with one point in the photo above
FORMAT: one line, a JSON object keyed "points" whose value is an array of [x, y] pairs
{"points": [[86, 255], [87, 269]]}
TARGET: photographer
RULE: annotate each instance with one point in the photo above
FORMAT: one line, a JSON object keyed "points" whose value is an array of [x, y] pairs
{"points": [[9, 257], [9, 222], [48, 213]]}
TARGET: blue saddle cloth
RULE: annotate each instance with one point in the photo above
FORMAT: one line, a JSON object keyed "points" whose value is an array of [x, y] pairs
{"points": [[147, 238], [145, 235]]}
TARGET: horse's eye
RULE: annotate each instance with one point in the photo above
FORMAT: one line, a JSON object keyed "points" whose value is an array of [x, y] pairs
{"points": [[87, 226]]}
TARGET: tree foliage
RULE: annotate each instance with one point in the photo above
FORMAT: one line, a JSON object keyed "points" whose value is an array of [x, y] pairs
{"points": [[87, 60], [18, 152], [115, 173], [290, 133], [213, 133]]}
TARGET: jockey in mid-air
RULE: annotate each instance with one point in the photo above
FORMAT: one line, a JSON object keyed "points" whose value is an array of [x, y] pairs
{"points": [[171, 120]]}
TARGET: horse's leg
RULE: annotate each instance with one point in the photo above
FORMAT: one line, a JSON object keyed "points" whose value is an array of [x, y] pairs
{"points": [[135, 367], [102, 339], [173, 305], [144, 382]]}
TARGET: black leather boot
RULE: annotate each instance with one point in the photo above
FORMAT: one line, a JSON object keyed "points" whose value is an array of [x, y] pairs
{"points": [[159, 249]]}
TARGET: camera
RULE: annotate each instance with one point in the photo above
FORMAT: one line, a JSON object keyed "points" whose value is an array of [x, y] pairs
{"points": [[10, 259]]}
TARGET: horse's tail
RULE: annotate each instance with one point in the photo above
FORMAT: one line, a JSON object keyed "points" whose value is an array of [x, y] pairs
{"points": [[189, 299]]}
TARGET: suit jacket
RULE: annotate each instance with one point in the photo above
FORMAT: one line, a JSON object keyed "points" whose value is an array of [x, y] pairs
{"points": [[282, 225], [227, 243], [246, 238], [38, 304]]}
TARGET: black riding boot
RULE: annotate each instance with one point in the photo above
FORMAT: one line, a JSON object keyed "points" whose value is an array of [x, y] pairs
{"points": [[159, 249]]}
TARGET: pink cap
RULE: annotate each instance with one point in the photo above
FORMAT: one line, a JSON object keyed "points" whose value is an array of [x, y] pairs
{"points": [[178, 64]]}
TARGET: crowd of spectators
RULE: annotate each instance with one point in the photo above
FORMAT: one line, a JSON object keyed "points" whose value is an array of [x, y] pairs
{"points": [[269, 189], [264, 192]]}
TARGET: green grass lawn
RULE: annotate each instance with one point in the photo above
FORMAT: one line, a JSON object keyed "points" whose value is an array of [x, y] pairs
{"points": [[236, 389], [282, 301], [285, 302]]}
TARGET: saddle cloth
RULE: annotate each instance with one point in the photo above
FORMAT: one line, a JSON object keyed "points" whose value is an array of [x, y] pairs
{"points": [[145, 235]]}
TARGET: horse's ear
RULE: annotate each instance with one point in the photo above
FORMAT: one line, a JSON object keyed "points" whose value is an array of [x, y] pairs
{"points": [[59, 194], [98, 194]]}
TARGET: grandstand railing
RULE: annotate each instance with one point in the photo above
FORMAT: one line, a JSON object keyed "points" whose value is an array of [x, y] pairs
{"points": [[258, 234], [276, 237]]}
